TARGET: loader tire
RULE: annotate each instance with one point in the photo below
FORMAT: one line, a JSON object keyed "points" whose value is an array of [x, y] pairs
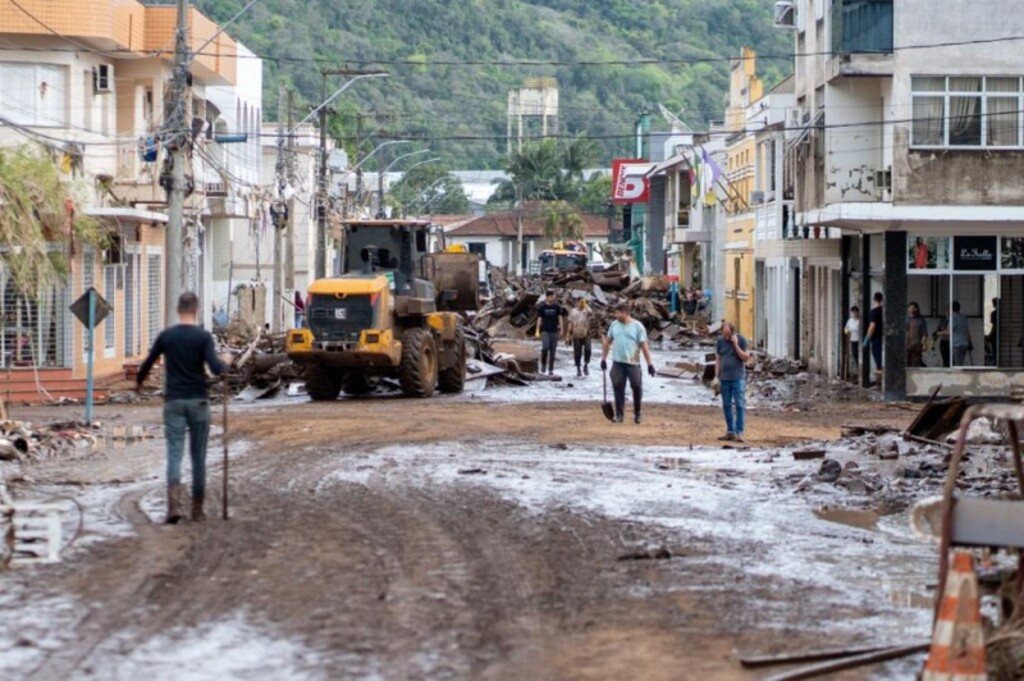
{"points": [[357, 385], [453, 378], [418, 371], [322, 384]]}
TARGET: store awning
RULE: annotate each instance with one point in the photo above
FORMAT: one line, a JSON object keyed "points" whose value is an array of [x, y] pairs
{"points": [[126, 215]]}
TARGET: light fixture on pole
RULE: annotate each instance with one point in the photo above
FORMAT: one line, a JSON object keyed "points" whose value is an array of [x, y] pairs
{"points": [[382, 173]]}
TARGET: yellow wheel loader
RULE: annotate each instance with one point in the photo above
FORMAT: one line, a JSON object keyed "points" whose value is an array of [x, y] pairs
{"points": [[394, 312]]}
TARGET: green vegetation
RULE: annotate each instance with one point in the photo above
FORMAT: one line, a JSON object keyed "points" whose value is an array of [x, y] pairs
{"points": [[459, 110], [33, 223], [429, 189]]}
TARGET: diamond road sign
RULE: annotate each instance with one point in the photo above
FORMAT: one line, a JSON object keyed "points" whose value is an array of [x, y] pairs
{"points": [[80, 308]]}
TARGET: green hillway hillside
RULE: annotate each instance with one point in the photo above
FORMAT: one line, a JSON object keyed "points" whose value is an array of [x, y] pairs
{"points": [[436, 92]]}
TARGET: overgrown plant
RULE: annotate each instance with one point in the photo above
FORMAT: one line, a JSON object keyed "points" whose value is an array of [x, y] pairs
{"points": [[33, 219]]}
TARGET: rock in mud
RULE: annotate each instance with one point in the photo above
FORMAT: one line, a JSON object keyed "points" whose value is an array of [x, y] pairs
{"points": [[830, 470]]}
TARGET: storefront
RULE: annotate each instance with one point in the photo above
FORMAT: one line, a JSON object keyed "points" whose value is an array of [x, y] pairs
{"points": [[970, 290]]}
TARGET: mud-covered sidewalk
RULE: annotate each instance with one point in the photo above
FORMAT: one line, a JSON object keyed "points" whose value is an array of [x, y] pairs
{"points": [[469, 537]]}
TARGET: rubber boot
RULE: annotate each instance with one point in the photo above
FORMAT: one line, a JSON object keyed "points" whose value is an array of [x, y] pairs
{"points": [[198, 514], [173, 505]]}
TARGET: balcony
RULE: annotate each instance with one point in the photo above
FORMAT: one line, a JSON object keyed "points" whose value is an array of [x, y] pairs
{"points": [[862, 38]]}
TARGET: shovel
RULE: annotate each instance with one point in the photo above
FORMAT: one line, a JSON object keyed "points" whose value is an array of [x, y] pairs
{"points": [[606, 407]]}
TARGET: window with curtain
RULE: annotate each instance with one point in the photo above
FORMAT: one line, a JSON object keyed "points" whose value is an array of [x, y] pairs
{"points": [[967, 111]]}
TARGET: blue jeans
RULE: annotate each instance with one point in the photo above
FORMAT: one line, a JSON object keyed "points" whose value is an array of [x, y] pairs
{"points": [[734, 402], [193, 415]]}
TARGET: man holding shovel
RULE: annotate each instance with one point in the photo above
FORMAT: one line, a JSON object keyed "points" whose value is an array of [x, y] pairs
{"points": [[186, 348], [626, 339]]}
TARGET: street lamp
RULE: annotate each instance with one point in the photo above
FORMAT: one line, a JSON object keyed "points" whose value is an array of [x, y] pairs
{"points": [[428, 190], [381, 174], [321, 210]]}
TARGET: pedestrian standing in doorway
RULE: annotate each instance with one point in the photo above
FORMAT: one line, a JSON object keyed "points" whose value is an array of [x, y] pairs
{"points": [[959, 336], [579, 333], [626, 339], [852, 332], [549, 329], [731, 358], [873, 337], [941, 336], [186, 348], [917, 335]]}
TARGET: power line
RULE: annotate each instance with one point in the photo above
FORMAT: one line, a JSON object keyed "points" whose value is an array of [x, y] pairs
{"points": [[120, 53]]}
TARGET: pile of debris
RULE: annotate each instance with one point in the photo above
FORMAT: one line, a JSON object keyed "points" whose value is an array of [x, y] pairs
{"points": [[511, 314], [20, 441], [261, 368]]}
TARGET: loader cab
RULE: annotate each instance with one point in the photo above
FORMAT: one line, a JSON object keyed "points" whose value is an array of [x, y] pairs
{"points": [[397, 248]]}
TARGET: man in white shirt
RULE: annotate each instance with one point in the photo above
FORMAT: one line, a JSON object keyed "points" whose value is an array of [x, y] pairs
{"points": [[852, 331]]}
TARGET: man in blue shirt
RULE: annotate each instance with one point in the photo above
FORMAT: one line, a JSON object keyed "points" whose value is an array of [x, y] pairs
{"points": [[186, 349], [731, 372], [626, 339]]}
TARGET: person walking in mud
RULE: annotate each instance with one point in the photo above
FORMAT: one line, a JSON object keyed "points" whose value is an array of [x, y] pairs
{"points": [[579, 333], [549, 330], [186, 348], [731, 358], [626, 339]]}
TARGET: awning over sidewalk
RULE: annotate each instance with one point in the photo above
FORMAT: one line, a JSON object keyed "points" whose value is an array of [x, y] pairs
{"points": [[128, 215]]}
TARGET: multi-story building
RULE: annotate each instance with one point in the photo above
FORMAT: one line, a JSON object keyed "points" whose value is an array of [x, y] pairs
{"points": [[912, 153], [94, 74], [744, 89]]}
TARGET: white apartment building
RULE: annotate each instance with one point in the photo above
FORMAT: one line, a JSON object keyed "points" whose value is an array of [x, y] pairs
{"points": [[913, 149], [87, 80]]}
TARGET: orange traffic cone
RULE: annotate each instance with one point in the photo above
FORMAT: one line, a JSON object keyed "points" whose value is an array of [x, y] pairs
{"points": [[958, 641]]}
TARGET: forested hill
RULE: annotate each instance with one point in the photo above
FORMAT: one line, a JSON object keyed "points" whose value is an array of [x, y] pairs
{"points": [[433, 93]]}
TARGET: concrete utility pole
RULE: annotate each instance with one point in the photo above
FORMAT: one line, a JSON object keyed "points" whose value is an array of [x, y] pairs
{"points": [[289, 235], [280, 215], [321, 204], [177, 138]]}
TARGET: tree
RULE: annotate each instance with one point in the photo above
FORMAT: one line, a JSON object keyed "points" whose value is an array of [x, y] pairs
{"points": [[595, 194], [546, 171], [427, 189], [34, 222], [562, 222]]}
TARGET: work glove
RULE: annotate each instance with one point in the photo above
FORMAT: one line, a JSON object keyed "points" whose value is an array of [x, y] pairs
{"points": [[604, 365], [650, 370]]}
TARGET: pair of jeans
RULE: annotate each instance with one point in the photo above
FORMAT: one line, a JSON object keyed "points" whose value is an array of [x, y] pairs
{"points": [[548, 348], [581, 350], [620, 373], [876, 352], [959, 355], [192, 415], [734, 402]]}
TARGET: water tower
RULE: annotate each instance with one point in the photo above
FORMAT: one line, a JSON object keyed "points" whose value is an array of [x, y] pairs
{"points": [[536, 102]]}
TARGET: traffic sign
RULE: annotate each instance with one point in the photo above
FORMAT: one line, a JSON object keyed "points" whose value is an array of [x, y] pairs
{"points": [[80, 308]]}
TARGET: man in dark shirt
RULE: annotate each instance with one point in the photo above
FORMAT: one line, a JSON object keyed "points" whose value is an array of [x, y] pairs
{"points": [[873, 337], [185, 348], [731, 357], [549, 328]]}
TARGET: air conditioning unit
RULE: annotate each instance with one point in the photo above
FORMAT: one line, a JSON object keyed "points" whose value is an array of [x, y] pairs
{"points": [[756, 198], [103, 79], [785, 14]]}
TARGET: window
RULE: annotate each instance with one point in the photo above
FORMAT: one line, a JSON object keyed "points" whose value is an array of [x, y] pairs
{"points": [[970, 290], [478, 247], [154, 287], [109, 290], [34, 94], [967, 111]]}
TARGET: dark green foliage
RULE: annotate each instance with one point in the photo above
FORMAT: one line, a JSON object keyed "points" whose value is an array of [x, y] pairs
{"points": [[460, 110]]}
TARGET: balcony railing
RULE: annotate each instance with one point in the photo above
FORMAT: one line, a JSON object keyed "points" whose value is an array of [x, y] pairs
{"points": [[862, 26]]}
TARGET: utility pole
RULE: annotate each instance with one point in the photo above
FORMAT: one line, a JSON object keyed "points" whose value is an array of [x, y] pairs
{"points": [[322, 184], [321, 199], [520, 265], [289, 235], [280, 215], [177, 138]]}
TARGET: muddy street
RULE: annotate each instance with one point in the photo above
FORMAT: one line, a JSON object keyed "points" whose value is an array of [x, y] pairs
{"points": [[465, 538]]}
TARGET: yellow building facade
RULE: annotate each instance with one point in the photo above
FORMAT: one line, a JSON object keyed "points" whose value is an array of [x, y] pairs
{"points": [[745, 88]]}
